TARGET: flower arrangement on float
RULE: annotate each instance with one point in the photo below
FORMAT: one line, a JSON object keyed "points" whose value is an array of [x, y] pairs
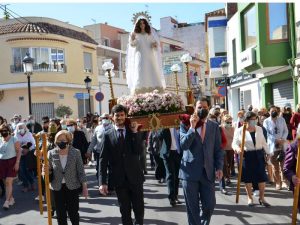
{"points": [[152, 102]]}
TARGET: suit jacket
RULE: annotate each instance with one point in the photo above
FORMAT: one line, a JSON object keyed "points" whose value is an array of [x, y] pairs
{"points": [[73, 173], [125, 166], [165, 136], [194, 149]]}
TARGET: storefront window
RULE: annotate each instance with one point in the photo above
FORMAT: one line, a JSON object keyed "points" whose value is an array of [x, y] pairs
{"points": [[250, 28], [277, 21]]}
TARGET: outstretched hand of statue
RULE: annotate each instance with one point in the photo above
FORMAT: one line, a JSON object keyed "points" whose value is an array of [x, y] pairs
{"points": [[154, 45], [133, 36]]}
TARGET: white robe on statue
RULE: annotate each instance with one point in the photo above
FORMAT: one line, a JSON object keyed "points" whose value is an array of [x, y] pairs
{"points": [[144, 64]]}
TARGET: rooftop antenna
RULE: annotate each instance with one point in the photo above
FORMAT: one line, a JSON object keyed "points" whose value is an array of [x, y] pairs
{"points": [[6, 14], [94, 20]]}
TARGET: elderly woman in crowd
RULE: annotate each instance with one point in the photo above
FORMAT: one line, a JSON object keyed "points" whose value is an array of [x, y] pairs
{"points": [[26, 173], [10, 154], [229, 153], [254, 157], [79, 139], [68, 176], [290, 162]]}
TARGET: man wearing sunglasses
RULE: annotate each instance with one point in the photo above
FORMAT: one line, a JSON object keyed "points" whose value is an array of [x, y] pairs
{"points": [[277, 133]]}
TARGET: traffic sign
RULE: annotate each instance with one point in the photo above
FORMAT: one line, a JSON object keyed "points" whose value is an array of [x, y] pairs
{"points": [[99, 96], [222, 91], [81, 95]]}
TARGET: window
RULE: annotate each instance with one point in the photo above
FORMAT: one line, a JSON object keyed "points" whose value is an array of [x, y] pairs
{"points": [[87, 62], [106, 42], [277, 21], [234, 56], [45, 59], [250, 28], [219, 36]]}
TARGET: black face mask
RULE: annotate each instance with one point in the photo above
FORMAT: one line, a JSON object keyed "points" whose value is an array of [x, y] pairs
{"points": [[202, 113], [4, 134], [62, 145], [274, 114]]}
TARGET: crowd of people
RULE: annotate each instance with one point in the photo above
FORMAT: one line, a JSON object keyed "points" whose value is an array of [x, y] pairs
{"points": [[205, 148]]}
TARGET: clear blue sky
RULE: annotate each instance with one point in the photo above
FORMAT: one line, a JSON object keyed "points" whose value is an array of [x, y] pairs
{"points": [[116, 14]]}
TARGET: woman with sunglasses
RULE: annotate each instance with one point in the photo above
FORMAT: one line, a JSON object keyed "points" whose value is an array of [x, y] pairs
{"points": [[253, 170], [10, 154]]}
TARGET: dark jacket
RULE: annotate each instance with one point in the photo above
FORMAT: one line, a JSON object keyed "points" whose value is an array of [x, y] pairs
{"points": [[290, 162], [79, 141], [123, 160], [35, 128]]}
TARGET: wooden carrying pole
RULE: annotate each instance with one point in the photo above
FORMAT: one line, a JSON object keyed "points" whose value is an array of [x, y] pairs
{"points": [[241, 164], [38, 168], [45, 154], [296, 189]]}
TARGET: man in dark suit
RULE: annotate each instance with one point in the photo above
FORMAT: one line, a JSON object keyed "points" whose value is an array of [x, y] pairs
{"points": [[121, 150], [201, 162], [170, 153]]}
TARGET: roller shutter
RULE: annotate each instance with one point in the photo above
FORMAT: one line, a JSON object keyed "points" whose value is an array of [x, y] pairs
{"points": [[283, 93]]}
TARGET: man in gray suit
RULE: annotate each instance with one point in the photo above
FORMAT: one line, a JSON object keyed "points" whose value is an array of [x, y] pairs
{"points": [[202, 161]]}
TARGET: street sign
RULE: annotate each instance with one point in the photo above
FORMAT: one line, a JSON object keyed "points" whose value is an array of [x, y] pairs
{"points": [[222, 91], [81, 95], [99, 96]]}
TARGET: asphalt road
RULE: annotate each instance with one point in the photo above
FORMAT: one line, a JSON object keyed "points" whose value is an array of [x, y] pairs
{"points": [[104, 210]]}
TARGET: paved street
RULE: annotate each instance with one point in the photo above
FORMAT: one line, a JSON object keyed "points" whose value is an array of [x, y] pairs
{"points": [[104, 210]]}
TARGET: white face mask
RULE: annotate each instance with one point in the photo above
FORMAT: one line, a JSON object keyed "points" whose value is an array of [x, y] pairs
{"points": [[71, 129], [21, 131], [105, 121]]}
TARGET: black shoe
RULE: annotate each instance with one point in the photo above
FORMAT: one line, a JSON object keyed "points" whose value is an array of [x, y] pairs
{"points": [[224, 192], [264, 203], [172, 203], [162, 180], [250, 203], [145, 172]]}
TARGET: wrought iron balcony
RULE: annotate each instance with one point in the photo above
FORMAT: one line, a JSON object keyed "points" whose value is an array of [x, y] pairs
{"points": [[42, 67]]}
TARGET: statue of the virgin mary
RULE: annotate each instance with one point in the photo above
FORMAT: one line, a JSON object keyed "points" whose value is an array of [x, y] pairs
{"points": [[143, 61]]}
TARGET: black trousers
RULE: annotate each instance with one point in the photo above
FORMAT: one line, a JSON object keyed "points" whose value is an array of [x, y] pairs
{"points": [[172, 165], [131, 197], [67, 201], [160, 171]]}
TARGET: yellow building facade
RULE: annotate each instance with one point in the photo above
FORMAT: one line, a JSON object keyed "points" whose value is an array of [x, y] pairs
{"points": [[63, 56]]}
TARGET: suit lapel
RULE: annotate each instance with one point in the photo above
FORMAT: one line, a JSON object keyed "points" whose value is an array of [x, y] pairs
{"points": [[69, 159]]}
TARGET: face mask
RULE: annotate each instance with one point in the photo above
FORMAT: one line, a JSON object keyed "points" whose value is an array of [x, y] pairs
{"points": [[45, 129], [241, 120], [62, 145], [227, 125], [64, 126], [274, 114], [78, 124], [105, 122], [4, 134], [71, 129], [202, 113], [16, 121], [252, 123], [22, 131]]}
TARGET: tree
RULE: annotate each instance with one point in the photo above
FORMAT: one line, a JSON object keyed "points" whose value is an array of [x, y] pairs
{"points": [[63, 110]]}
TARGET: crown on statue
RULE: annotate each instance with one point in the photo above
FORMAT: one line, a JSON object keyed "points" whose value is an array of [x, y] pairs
{"points": [[140, 15]]}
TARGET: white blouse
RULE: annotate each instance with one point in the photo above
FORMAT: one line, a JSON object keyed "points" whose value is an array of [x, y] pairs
{"points": [[249, 146]]}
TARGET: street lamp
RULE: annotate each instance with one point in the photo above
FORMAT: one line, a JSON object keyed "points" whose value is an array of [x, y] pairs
{"points": [[175, 68], [88, 85], [108, 67], [186, 58], [224, 67], [28, 68]]}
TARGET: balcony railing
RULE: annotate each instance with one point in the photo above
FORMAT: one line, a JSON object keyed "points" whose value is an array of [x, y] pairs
{"points": [[43, 67]]}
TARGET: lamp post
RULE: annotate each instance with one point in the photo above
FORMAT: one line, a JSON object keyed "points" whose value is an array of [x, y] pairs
{"points": [[186, 58], [88, 85], [224, 67], [175, 68], [28, 68], [108, 67]]}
